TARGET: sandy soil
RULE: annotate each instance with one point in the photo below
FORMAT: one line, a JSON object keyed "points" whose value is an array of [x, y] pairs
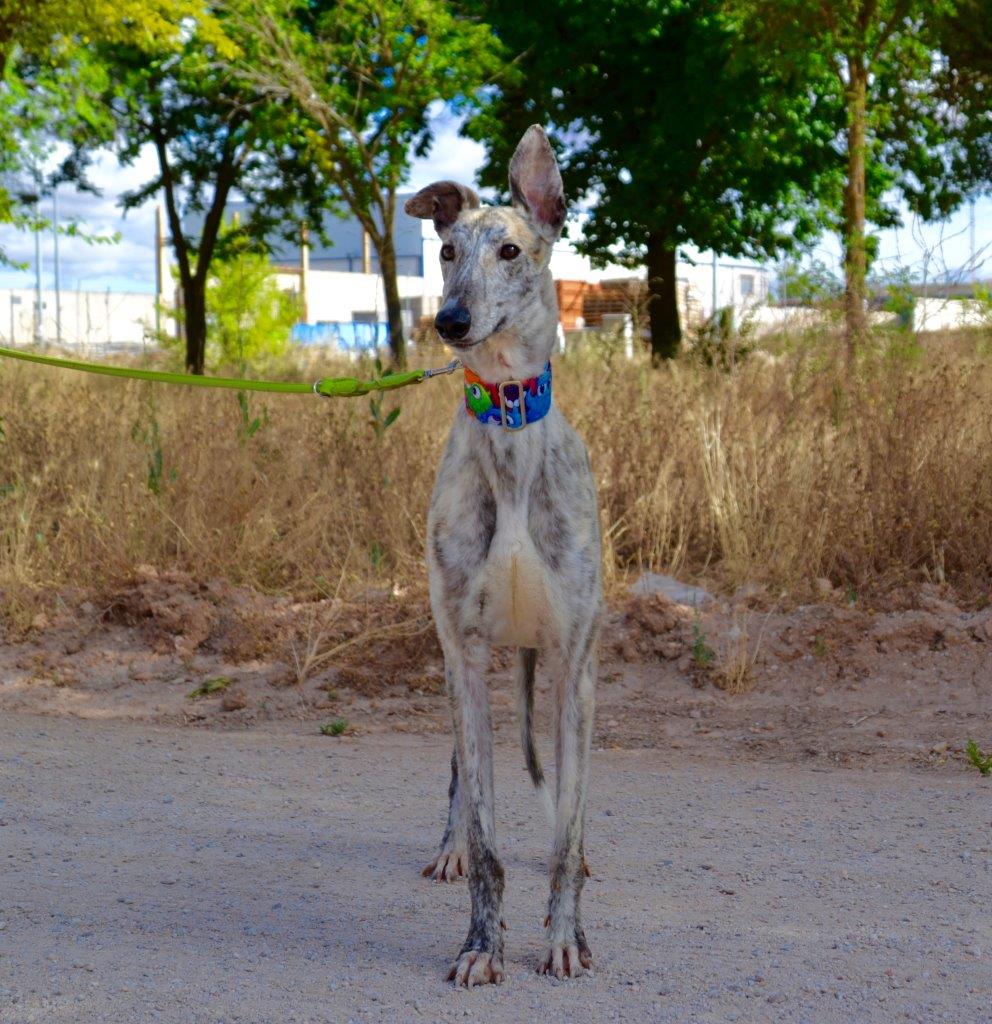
{"points": [[905, 680], [171, 874]]}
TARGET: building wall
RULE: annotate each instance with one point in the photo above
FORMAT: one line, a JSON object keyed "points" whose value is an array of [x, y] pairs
{"points": [[89, 319], [948, 314], [340, 297]]}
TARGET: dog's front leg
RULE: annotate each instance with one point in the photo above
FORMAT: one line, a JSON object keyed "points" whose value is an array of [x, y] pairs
{"points": [[480, 959], [568, 952], [451, 862]]}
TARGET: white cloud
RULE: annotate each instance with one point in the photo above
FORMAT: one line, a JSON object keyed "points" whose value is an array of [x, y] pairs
{"points": [[451, 157], [125, 265]]}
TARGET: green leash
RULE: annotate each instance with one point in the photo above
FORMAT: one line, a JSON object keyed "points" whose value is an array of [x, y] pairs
{"points": [[328, 387]]}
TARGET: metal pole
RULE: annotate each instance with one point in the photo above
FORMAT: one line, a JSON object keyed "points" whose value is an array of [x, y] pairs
{"points": [[971, 234], [159, 283], [713, 310], [58, 267], [38, 305]]}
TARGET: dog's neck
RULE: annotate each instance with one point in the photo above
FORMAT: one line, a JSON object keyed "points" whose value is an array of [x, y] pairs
{"points": [[508, 356]]}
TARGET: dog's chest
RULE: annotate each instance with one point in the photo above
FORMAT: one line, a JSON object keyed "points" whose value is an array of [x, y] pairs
{"points": [[518, 585], [518, 589]]}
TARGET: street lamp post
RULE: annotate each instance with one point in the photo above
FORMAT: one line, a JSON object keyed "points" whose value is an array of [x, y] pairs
{"points": [[58, 267], [39, 305]]}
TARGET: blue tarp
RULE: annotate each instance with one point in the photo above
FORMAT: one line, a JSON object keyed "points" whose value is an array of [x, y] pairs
{"points": [[349, 337]]}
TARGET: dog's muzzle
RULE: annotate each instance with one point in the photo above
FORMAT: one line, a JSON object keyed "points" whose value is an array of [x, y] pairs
{"points": [[453, 322]]}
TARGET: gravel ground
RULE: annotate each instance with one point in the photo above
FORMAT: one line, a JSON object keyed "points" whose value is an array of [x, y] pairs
{"points": [[151, 874]]}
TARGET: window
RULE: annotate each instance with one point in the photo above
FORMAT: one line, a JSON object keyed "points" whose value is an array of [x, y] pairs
{"points": [[747, 285]]}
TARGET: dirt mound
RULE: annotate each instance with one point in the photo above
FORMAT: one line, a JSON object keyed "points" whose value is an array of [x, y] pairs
{"points": [[909, 678]]}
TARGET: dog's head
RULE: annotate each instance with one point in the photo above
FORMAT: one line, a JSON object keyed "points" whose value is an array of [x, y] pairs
{"points": [[498, 290]]}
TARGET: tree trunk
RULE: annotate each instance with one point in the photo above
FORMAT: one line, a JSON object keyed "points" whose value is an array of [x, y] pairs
{"points": [[387, 267], [855, 246], [663, 305], [195, 309]]}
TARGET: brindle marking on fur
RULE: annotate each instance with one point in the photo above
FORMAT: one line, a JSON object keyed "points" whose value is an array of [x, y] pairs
{"points": [[550, 531], [525, 499]]}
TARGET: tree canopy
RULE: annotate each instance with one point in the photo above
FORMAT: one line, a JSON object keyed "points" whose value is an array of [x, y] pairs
{"points": [[47, 78], [675, 130], [213, 136], [364, 75], [910, 132]]}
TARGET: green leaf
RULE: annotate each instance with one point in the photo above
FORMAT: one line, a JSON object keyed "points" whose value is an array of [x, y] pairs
{"points": [[210, 687]]}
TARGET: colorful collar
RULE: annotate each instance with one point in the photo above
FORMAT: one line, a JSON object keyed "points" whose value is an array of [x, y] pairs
{"points": [[511, 403]]}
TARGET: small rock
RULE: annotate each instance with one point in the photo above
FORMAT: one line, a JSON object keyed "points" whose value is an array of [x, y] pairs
{"points": [[233, 700], [40, 622], [681, 593], [819, 690], [749, 592], [824, 587]]}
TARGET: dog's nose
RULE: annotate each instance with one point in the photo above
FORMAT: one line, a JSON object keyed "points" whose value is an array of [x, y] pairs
{"points": [[453, 322]]}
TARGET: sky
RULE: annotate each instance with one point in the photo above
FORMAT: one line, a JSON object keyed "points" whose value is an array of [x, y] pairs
{"points": [[129, 263]]}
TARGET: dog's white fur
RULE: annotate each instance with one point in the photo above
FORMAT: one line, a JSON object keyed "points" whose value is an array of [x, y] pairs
{"points": [[513, 552]]}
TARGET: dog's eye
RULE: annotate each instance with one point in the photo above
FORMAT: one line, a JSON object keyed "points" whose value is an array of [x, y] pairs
{"points": [[447, 252], [509, 252]]}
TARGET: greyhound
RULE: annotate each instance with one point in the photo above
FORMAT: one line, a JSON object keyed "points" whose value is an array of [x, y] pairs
{"points": [[513, 545]]}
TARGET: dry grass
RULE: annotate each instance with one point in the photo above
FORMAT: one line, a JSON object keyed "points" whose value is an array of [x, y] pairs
{"points": [[783, 471]]}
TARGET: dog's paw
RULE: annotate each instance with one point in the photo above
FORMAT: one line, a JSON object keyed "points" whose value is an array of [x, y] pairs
{"points": [[476, 967], [447, 866], [567, 960]]}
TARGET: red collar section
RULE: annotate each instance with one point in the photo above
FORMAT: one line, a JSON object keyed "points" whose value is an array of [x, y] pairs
{"points": [[511, 404]]}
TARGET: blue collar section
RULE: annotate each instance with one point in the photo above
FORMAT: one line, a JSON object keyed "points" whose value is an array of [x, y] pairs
{"points": [[511, 404]]}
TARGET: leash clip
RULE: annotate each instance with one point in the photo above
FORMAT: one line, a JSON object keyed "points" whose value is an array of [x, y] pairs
{"points": [[455, 364]]}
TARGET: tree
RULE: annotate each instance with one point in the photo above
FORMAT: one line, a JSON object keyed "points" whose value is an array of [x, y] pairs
{"points": [[44, 26], [248, 315], [965, 85], [678, 132], [904, 134], [212, 136], [46, 74], [364, 74]]}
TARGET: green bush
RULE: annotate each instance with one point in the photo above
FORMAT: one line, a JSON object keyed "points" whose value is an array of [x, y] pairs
{"points": [[248, 317]]}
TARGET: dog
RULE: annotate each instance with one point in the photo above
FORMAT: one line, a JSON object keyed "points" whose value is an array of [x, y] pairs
{"points": [[513, 546]]}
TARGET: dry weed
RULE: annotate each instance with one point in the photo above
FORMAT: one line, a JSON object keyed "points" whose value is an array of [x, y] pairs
{"points": [[785, 470], [733, 670]]}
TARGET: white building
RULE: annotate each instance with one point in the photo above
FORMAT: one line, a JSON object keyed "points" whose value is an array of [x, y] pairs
{"points": [[85, 319]]}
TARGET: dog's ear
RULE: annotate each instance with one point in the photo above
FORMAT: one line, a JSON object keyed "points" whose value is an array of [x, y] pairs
{"points": [[535, 183], [441, 203]]}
